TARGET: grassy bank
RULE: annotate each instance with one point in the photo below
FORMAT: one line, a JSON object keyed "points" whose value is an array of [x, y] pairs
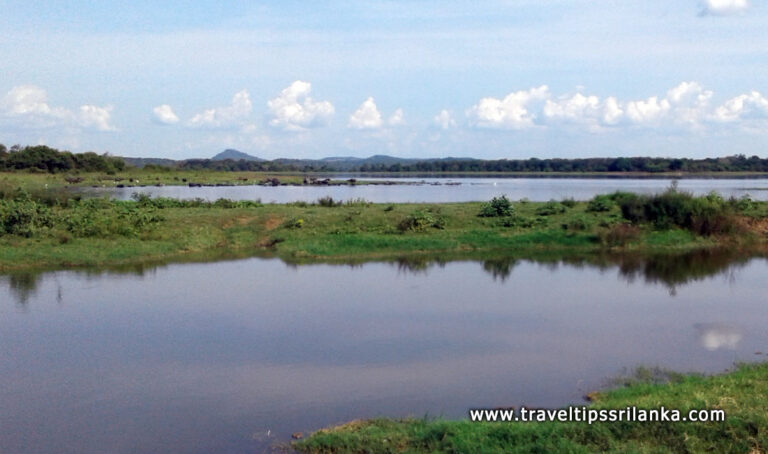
{"points": [[741, 394], [58, 232]]}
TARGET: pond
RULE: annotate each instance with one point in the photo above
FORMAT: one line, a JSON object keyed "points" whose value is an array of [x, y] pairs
{"points": [[235, 356], [438, 190]]}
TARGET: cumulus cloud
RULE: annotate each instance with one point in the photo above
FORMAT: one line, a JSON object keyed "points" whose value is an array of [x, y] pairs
{"points": [[512, 112], [688, 105], [444, 120], [752, 105], [648, 110], [397, 118], [27, 107], [165, 115], [227, 116], [367, 116], [294, 110], [724, 7]]}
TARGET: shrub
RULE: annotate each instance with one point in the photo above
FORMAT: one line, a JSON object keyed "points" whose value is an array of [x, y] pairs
{"points": [[550, 208], [619, 235], [294, 223], [706, 215], [576, 223], [419, 221], [497, 207], [24, 216], [568, 202], [328, 202], [600, 203]]}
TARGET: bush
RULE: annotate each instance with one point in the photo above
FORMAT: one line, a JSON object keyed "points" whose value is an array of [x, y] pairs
{"points": [[576, 223], [328, 202], [600, 203], [419, 221], [550, 208], [706, 215], [294, 223], [568, 202], [24, 216], [619, 235], [497, 207]]}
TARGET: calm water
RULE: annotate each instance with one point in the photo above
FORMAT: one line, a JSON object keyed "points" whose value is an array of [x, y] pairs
{"points": [[233, 356], [468, 189]]}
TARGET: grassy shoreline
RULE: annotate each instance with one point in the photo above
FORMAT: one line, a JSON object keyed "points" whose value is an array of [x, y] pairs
{"points": [[95, 235], [740, 393]]}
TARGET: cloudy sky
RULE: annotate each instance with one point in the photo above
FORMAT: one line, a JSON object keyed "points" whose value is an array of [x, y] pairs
{"points": [[410, 78]]}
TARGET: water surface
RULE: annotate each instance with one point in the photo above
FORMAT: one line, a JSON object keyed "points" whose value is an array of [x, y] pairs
{"points": [[233, 356], [438, 190]]}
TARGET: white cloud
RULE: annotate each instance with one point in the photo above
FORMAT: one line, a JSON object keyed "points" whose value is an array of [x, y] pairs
{"points": [[752, 105], [367, 116], [724, 7], [165, 115], [294, 110], [612, 111], [577, 108], [444, 120], [223, 117], [647, 111], [397, 118], [27, 107], [96, 117], [687, 105], [509, 113]]}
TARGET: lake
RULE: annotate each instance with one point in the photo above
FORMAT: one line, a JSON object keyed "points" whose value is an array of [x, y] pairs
{"points": [[438, 190], [234, 356]]}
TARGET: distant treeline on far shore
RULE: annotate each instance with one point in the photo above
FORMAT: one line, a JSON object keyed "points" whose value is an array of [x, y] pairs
{"points": [[41, 158]]}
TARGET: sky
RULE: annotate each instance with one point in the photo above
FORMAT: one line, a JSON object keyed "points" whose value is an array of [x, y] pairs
{"points": [[410, 78]]}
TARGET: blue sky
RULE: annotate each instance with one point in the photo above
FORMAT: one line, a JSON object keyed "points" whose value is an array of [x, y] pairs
{"points": [[490, 78]]}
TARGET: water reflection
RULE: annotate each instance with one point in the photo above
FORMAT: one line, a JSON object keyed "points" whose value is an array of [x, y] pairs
{"points": [[669, 270], [232, 355], [715, 336]]}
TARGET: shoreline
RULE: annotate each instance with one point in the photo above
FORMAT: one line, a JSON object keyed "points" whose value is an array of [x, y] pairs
{"points": [[738, 393]]}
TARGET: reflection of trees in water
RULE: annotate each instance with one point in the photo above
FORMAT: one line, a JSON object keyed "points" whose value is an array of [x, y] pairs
{"points": [[679, 269], [22, 286], [419, 264], [500, 268], [670, 270]]}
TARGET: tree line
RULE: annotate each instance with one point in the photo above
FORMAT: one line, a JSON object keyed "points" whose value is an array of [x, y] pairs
{"points": [[46, 159], [42, 158]]}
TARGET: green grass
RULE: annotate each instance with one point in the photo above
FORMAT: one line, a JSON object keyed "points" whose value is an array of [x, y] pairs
{"points": [[359, 231], [741, 394]]}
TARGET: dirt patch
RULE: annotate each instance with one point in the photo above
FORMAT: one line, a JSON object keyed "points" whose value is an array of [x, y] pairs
{"points": [[240, 220], [272, 222], [759, 226]]}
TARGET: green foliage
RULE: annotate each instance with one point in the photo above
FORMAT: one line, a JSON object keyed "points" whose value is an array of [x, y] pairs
{"points": [[568, 202], [706, 215], [497, 207], [328, 202], [46, 159], [293, 223], [600, 203], [23, 216], [550, 208], [576, 223], [741, 394], [420, 221]]}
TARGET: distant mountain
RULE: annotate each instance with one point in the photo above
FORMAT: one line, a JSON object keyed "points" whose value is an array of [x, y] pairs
{"points": [[331, 164], [235, 155]]}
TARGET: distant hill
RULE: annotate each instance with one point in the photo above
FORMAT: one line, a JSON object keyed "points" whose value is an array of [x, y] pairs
{"points": [[235, 155]]}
